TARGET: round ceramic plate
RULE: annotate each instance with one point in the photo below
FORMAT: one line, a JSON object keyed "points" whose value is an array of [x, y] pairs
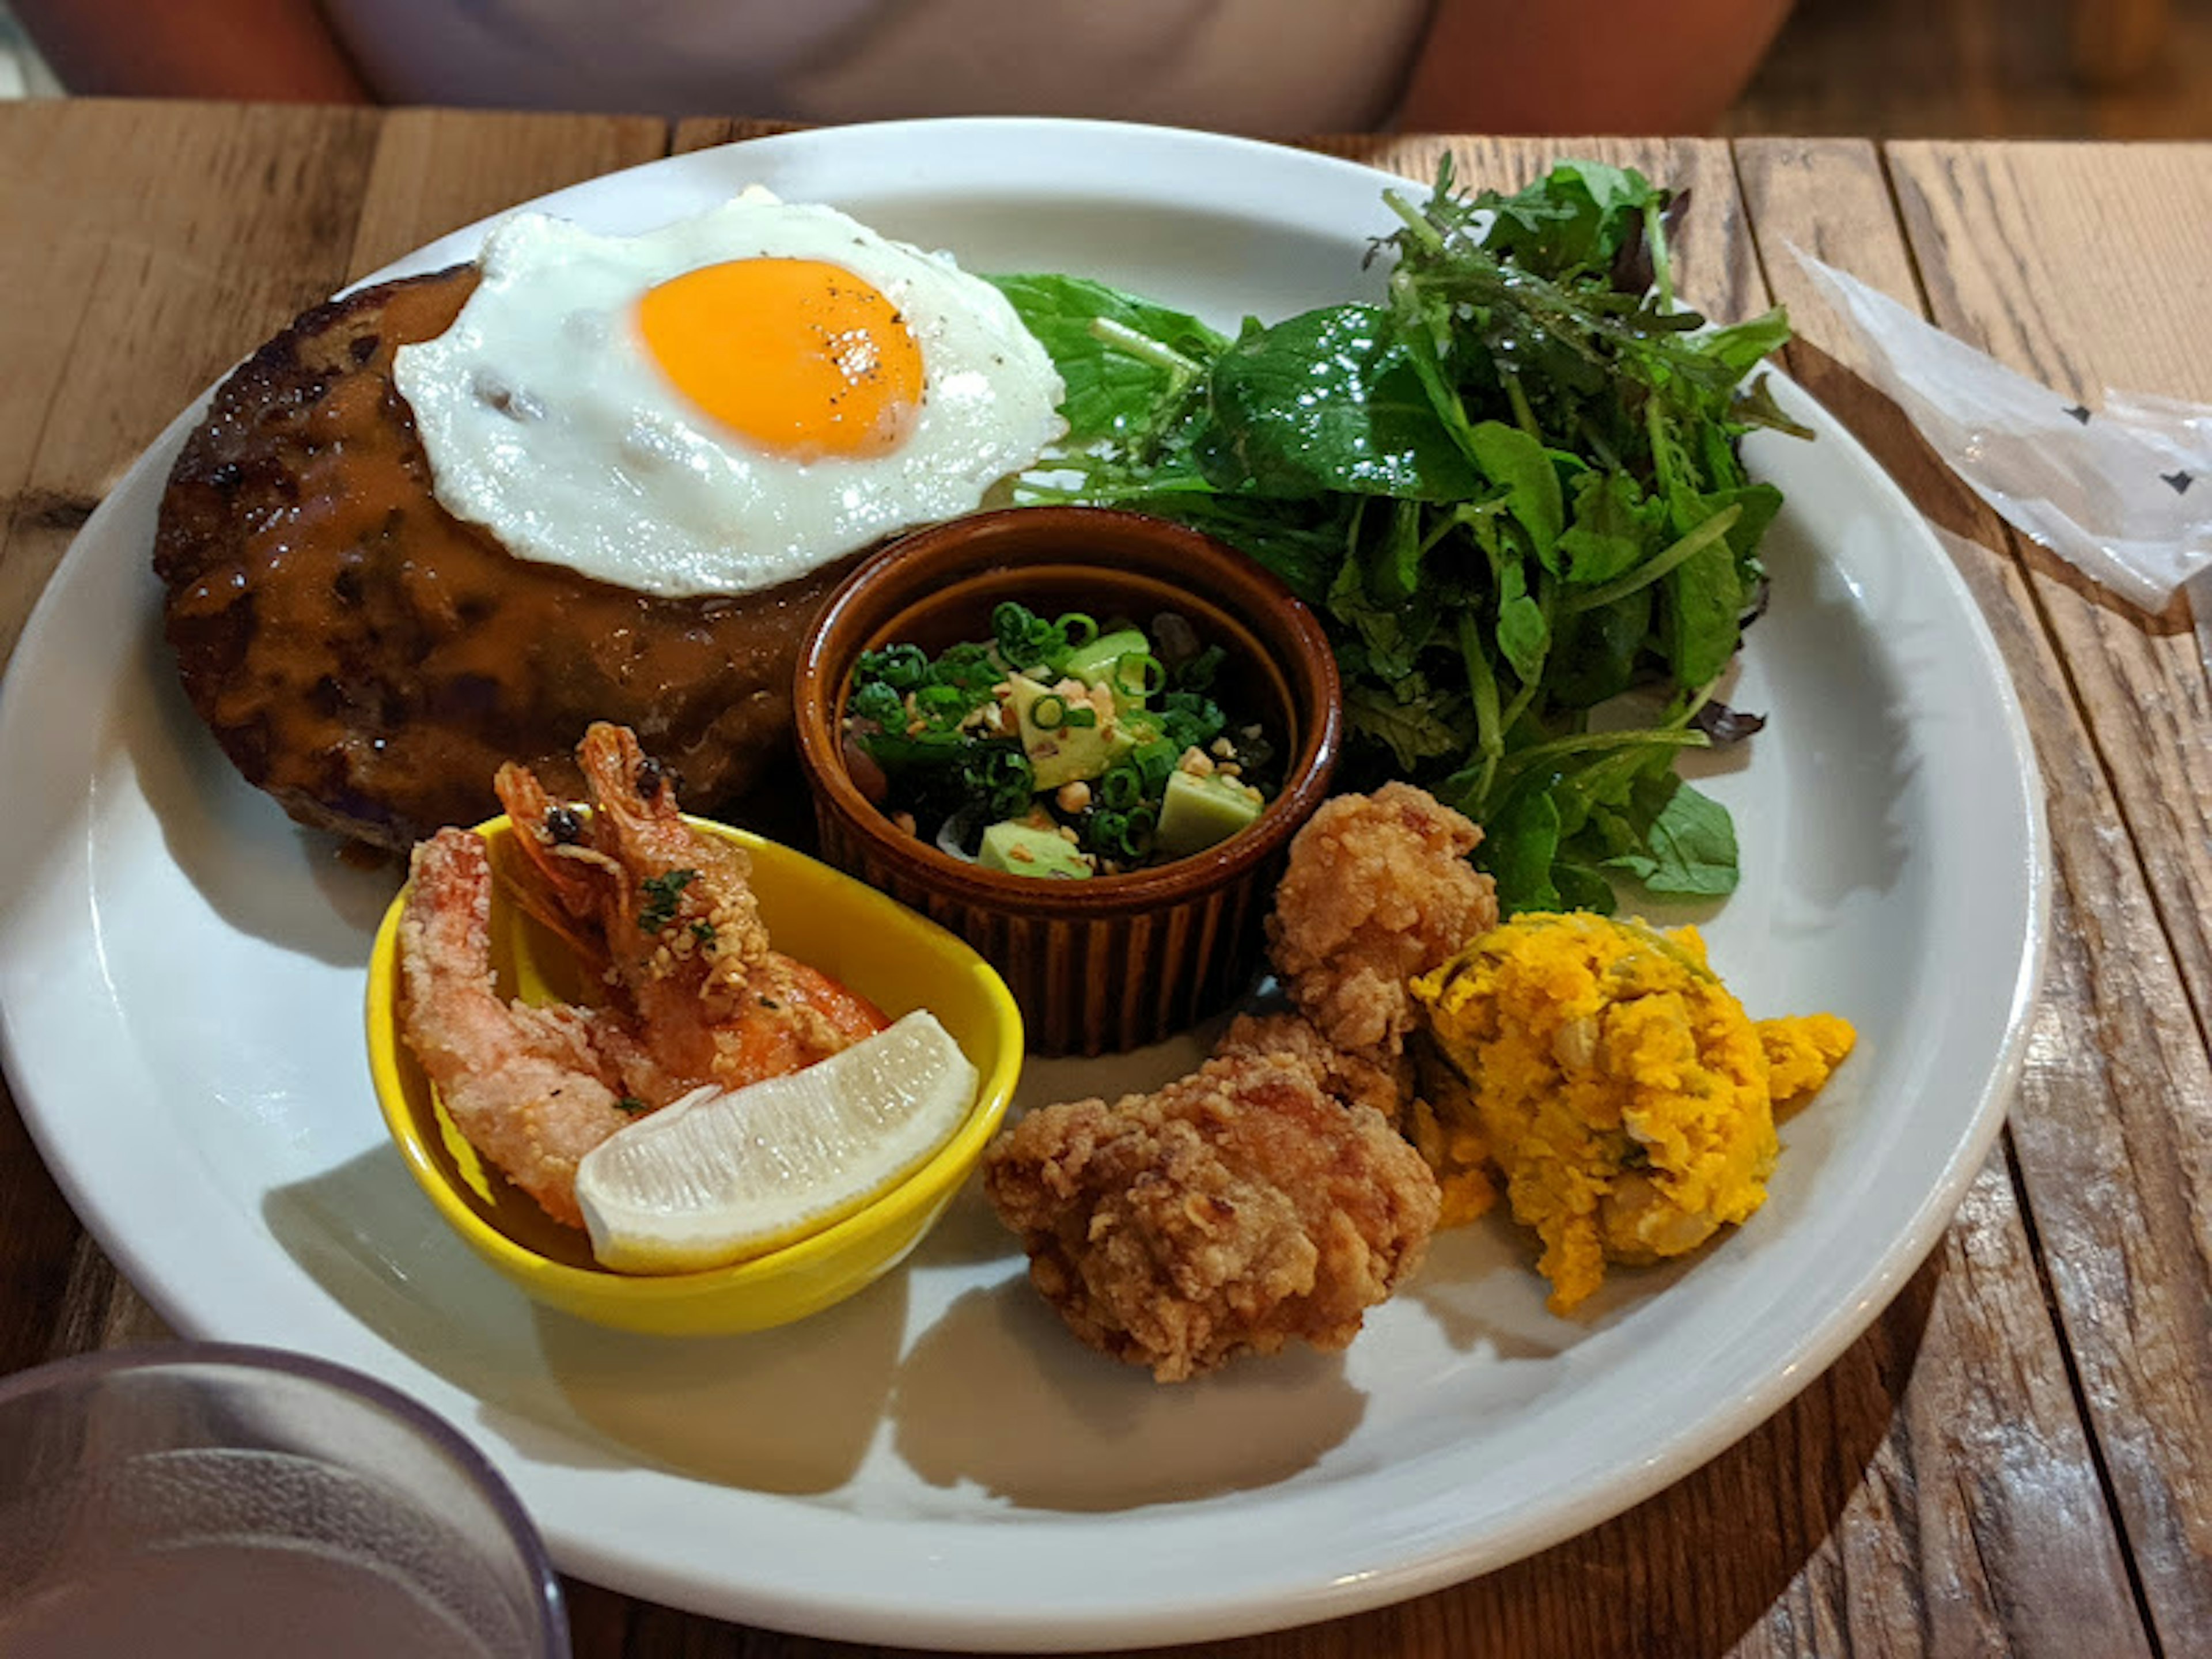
{"points": [[937, 1462]]}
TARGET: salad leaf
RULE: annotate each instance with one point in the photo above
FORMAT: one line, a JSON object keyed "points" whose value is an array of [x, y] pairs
{"points": [[1512, 490], [1661, 833], [1329, 401], [1575, 218], [1610, 526], [1516, 463], [1122, 359]]}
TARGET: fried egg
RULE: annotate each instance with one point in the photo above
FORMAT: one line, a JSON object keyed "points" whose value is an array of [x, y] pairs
{"points": [[726, 403]]}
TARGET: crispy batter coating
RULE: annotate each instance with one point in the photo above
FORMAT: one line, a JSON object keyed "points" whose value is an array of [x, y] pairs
{"points": [[1267, 1197], [1364, 1078], [1237, 1210], [1378, 890]]}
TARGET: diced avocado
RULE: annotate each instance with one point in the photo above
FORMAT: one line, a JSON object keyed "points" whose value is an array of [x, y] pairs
{"points": [[1062, 751], [1095, 663], [1198, 812], [1022, 849]]}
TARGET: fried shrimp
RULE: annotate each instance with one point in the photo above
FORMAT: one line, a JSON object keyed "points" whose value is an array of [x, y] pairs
{"points": [[532, 1089], [660, 916], [667, 917]]}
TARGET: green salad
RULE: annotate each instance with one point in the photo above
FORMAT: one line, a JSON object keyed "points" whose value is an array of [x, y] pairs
{"points": [[1510, 489], [1058, 749]]}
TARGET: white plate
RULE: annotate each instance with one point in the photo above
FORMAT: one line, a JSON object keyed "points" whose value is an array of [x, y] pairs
{"points": [[937, 1463]]}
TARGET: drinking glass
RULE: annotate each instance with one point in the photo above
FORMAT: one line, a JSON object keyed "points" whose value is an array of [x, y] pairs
{"points": [[207, 1499]]}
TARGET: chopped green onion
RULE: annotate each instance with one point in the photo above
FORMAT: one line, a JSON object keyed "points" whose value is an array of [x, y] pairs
{"points": [[918, 718], [902, 667], [879, 704], [1154, 761], [1005, 780], [942, 705], [1139, 674]]}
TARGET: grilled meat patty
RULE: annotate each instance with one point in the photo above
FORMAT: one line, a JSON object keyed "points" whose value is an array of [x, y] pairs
{"points": [[370, 660]]}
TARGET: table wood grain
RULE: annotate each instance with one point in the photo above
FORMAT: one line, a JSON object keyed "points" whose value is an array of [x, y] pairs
{"points": [[2017, 1455]]}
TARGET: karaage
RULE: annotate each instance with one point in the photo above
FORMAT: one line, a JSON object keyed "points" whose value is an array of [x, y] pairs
{"points": [[1236, 1211]]}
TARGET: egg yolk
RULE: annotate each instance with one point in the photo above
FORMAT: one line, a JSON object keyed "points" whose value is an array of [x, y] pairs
{"points": [[797, 357]]}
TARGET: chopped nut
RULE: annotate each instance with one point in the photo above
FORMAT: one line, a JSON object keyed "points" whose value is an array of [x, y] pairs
{"points": [[903, 822], [1222, 748], [1195, 761], [1074, 797]]}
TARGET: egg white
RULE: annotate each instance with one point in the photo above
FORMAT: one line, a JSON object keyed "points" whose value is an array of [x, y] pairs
{"points": [[548, 422]]}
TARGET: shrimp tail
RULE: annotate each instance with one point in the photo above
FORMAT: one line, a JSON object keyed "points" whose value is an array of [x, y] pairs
{"points": [[528, 1087], [560, 883]]}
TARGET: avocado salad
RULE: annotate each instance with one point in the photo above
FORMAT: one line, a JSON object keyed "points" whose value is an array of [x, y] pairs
{"points": [[1061, 750]]}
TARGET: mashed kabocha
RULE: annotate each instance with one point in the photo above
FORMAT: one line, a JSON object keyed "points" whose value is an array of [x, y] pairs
{"points": [[1603, 1068]]}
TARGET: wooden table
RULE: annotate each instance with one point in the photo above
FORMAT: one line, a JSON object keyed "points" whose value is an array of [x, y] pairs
{"points": [[2017, 1456]]}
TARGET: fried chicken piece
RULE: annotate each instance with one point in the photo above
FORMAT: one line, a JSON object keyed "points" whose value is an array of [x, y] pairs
{"points": [[1236, 1211], [1378, 890], [1268, 1196], [1363, 1077]]}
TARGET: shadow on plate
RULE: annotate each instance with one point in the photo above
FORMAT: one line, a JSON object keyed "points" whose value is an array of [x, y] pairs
{"points": [[1479, 1283], [994, 1393], [364, 1233], [264, 875], [998, 1393], [786, 1411], [791, 1411]]}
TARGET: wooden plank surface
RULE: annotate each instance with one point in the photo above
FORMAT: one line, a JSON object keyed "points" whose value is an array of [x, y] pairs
{"points": [[1936, 1490], [2114, 1128], [1833, 199], [437, 170], [168, 239]]}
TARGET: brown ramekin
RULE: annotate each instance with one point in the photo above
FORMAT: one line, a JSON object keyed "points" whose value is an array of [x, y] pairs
{"points": [[1115, 962]]}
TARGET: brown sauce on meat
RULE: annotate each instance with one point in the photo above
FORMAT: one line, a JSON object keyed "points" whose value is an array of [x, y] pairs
{"points": [[370, 660]]}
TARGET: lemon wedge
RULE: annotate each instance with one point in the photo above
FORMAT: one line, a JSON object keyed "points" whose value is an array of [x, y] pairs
{"points": [[722, 1174]]}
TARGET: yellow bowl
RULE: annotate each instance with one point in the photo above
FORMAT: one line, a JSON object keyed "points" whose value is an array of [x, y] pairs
{"points": [[899, 960]]}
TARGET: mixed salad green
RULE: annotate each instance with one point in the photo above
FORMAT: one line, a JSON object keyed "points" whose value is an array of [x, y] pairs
{"points": [[1511, 489]]}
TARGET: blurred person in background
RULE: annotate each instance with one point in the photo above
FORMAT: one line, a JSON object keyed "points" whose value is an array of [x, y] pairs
{"points": [[1254, 66]]}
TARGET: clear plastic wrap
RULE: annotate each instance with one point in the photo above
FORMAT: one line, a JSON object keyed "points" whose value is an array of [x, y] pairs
{"points": [[2124, 492]]}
